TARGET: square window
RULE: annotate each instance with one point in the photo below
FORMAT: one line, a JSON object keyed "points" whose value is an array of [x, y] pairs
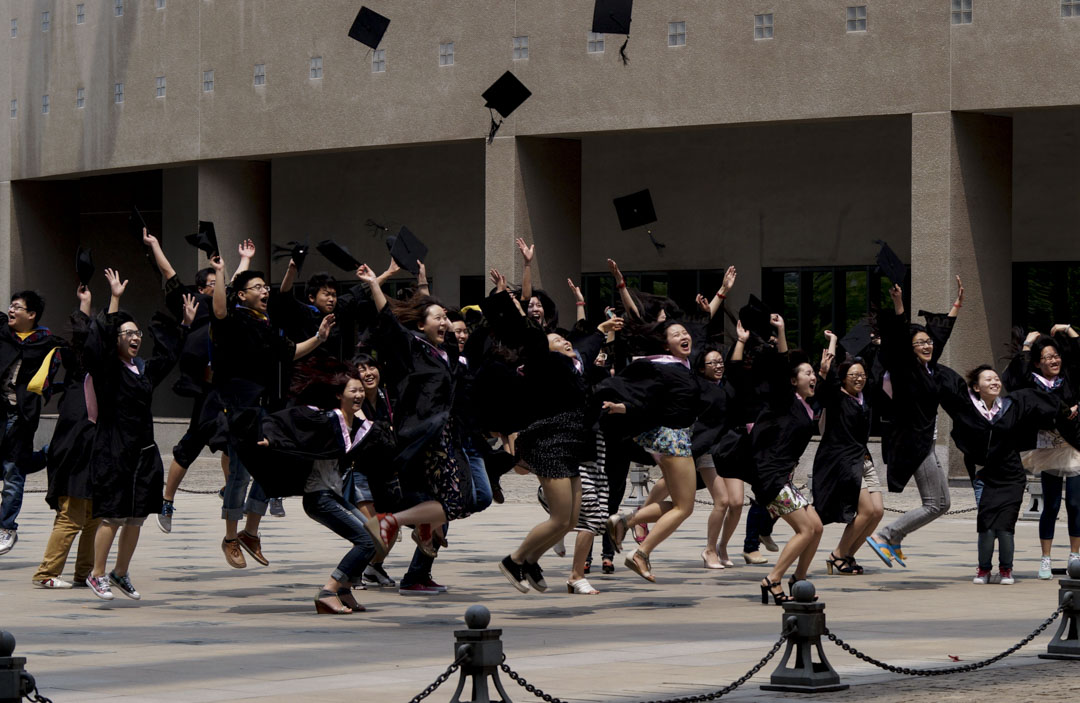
{"points": [[676, 33], [595, 43], [446, 54], [45, 21], [80, 13], [763, 26], [14, 28], [316, 67], [378, 61], [961, 11], [856, 18], [260, 74], [208, 81], [118, 8], [161, 4], [44, 104], [118, 92], [521, 48], [159, 87], [14, 109], [1070, 8], [80, 98]]}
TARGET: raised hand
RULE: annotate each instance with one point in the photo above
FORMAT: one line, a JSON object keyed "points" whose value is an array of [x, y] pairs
{"points": [[829, 335], [613, 324], [741, 333], [148, 239], [421, 277], [897, 295], [246, 249], [325, 326], [614, 408], [498, 279], [527, 252], [190, 308], [218, 264], [576, 291], [83, 294], [365, 274], [614, 268], [393, 267], [776, 321], [116, 287], [703, 304], [729, 278], [959, 293]]}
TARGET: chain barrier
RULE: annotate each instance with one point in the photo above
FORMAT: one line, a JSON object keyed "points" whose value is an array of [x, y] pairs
{"points": [[548, 698], [946, 670], [950, 512], [441, 678], [212, 491], [35, 697]]}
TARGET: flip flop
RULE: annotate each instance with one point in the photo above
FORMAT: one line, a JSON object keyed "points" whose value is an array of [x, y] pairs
{"points": [[882, 550], [897, 554]]}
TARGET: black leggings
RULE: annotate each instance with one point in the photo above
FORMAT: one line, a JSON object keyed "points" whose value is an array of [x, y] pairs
{"points": [[1052, 486]]}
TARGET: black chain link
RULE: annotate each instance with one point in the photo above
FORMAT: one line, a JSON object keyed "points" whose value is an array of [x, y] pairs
{"points": [[34, 695], [441, 679], [548, 698], [951, 512], [946, 670], [213, 491]]}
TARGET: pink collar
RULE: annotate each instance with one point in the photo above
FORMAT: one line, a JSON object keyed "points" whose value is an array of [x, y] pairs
{"points": [[806, 406]]}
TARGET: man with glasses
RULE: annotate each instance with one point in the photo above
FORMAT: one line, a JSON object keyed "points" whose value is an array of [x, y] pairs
{"points": [[248, 351], [28, 363]]}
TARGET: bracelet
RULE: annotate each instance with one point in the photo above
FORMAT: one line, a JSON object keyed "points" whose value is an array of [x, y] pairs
{"points": [[721, 296], [580, 302], [957, 305], [621, 285], [320, 338]]}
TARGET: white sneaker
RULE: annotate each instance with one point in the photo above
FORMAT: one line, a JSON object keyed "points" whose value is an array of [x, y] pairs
{"points": [[1044, 569], [981, 577], [8, 538], [53, 583], [1005, 577], [100, 586]]}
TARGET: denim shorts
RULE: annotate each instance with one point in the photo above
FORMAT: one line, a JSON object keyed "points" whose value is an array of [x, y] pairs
{"points": [[361, 489]]}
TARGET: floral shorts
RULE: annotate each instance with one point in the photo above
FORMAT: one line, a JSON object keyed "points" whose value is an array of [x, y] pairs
{"points": [[787, 501], [666, 441]]}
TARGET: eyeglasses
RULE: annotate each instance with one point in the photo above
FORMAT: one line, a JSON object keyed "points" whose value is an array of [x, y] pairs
{"points": [[923, 343], [128, 334], [1052, 357], [17, 308], [714, 364], [857, 376], [258, 287]]}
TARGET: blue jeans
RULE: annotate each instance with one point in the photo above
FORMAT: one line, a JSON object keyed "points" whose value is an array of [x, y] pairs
{"points": [[329, 509], [236, 488], [481, 497], [14, 481], [1051, 486], [977, 485], [1006, 548]]}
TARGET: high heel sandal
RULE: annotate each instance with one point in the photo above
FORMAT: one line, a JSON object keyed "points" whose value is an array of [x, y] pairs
{"points": [[421, 534], [766, 591], [328, 603], [581, 587], [383, 529], [616, 529], [644, 571], [705, 561], [839, 563], [346, 597], [854, 565]]}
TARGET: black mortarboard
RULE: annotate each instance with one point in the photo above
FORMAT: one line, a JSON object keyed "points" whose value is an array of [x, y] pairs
{"points": [[136, 224], [407, 250], [636, 210], [755, 317], [369, 27], [504, 96], [292, 250], [84, 265], [205, 239], [856, 340], [889, 264], [613, 17], [337, 255]]}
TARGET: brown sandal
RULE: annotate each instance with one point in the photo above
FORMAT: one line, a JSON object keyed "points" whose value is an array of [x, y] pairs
{"points": [[328, 603], [645, 571], [349, 601]]}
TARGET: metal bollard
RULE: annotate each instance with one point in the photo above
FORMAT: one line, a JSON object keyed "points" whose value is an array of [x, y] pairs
{"points": [[639, 486], [14, 681], [1034, 489], [1066, 641], [483, 654], [805, 675]]}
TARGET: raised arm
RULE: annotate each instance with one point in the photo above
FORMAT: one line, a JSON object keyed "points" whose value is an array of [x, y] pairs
{"points": [[221, 305], [828, 355], [311, 344], [390, 271], [83, 294], [365, 274], [1064, 329], [246, 251], [718, 300], [117, 289], [781, 333], [624, 295], [897, 295], [167, 271], [959, 303], [289, 278], [527, 254], [579, 299], [421, 279], [741, 337]]}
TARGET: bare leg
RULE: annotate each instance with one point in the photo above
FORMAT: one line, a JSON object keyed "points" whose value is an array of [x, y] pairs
{"points": [[125, 548], [102, 544], [734, 491], [874, 509], [801, 546], [657, 494], [582, 545], [559, 493], [717, 491], [680, 474], [251, 523], [172, 482], [429, 512]]}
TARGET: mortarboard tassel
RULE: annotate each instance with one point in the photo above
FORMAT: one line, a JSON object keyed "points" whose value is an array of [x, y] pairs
{"points": [[658, 244], [494, 127], [622, 51]]}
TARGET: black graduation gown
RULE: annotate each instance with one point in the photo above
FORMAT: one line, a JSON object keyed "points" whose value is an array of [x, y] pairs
{"points": [[915, 393], [125, 465], [195, 355], [994, 444], [657, 393], [1019, 374], [838, 464], [18, 445], [68, 458]]}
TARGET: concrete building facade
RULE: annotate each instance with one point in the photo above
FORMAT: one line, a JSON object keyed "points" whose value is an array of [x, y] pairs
{"points": [[781, 136]]}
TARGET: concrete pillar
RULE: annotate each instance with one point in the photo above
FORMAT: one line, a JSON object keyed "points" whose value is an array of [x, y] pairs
{"points": [[961, 224], [7, 218], [533, 191]]}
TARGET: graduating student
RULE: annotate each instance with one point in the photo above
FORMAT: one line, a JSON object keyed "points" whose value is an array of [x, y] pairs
{"points": [[846, 486], [1049, 363], [910, 355], [990, 429], [68, 457], [248, 353], [29, 360], [125, 465], [194, 362]]}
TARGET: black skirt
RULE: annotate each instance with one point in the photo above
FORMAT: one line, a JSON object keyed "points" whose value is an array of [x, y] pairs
{"points": [[552, 447]]}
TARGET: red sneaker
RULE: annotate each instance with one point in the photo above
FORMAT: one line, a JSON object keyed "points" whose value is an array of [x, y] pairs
{"points": [[430, 583], [418, 589]]}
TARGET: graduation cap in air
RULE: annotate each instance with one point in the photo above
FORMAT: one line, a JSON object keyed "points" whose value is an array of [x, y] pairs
{"points": [[84, 265], [856, 340], [636, 210], [337, 255], [756, 317], [369, 27], [291, 250], [504, 96], [889, 263], [205, 239], [406, 250], [613, 17]]}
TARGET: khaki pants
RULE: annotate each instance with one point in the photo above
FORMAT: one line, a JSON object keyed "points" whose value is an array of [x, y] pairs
{"points": [[74, 515]]}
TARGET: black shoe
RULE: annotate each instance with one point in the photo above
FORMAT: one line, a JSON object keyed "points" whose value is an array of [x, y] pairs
{"points": [[608, 567], [588, 566], [514, 573], [535, 575]]}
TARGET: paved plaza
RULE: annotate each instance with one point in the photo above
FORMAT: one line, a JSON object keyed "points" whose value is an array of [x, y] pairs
{"points": [[206, 632]]}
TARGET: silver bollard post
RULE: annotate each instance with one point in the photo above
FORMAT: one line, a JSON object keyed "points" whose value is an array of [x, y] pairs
{"points": [[639, 486], [1066, 641], [807, 617], [1034, 511]]}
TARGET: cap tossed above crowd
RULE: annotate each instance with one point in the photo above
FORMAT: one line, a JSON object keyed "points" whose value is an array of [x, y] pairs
{"points": [[636, 210]]}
